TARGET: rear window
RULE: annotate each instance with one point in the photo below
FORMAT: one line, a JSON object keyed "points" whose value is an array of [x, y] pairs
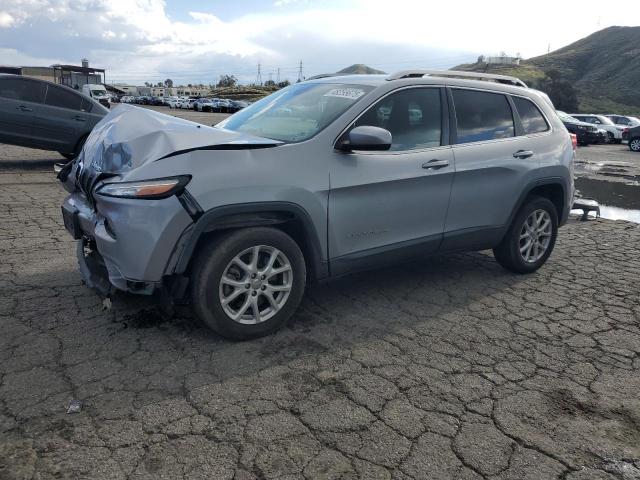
{"points": [[21, 89], [532, 119], [482, 116], [61, 97]]}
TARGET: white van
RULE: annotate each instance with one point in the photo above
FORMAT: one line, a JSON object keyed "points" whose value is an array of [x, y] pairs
{"points": [[98, 92]]}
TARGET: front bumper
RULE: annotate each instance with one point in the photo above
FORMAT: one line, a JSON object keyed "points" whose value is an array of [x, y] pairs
{"points": [[585, 137], [128, 241]]}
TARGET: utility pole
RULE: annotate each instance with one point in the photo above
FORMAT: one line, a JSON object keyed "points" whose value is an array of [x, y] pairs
{"points": [[270, 75], [300, 75], [259, 76], [278, 77]]}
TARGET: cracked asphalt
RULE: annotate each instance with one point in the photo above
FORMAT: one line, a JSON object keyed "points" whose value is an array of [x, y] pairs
{"points": [[446, 368]]}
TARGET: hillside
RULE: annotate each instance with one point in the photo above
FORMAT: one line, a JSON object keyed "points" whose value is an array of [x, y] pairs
{"points": [[604, 68], [360, 69]]}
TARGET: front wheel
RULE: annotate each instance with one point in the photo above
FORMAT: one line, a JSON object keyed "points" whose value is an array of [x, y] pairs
{"points": [[530, 238], [634, 145], [248, 283]]}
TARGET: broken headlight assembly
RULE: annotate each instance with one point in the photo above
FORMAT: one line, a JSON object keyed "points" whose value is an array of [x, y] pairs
{"points": [[145, 189]]}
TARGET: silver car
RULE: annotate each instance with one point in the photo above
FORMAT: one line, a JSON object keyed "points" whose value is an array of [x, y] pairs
{"points": [[320, 179]]}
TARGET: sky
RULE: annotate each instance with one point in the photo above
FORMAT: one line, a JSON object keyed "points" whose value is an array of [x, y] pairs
{"points": [[196, 41]]}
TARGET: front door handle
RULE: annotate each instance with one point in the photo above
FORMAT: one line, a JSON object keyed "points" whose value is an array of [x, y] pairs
{"points": [[523, 154], [435, 164], [24, 109]]}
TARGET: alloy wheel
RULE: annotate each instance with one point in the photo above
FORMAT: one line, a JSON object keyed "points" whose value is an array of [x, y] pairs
{"points": [[635, 145], [255, 284], [535, 236]]}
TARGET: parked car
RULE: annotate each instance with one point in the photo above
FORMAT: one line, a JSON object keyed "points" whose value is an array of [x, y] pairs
{"points": [[172, 101], [202, 105], [236, 106], [614, 132], [39, 114], [624, 121], [157, 101], [188, 103], [237, 217], [221, 105], [631, 136], [585, 132]]}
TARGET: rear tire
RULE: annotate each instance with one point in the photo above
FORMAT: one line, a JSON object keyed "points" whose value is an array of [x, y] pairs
{"points": [[530, 238], [240, 298], [634, 144]]}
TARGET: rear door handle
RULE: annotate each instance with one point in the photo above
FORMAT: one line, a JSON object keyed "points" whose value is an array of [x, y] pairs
{"points": [[523, 154], [435, 164], [79, 118], [24, 109]]}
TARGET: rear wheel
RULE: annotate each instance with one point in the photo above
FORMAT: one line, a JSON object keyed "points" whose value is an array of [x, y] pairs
{"points": [[610, 138], [634, 145], [248, 283], [530, 238]]}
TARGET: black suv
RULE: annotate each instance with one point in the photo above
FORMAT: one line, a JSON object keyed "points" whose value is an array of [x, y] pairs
{"points": [[585, 132]]}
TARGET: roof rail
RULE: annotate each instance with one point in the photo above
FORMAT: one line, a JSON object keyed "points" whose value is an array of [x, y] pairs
{"points": [[488, 77]]}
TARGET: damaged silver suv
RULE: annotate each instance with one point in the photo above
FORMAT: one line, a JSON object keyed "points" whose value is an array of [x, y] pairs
{"points": [[320, 179]]}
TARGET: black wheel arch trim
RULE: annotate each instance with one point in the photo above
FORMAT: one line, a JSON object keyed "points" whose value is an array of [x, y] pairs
{"points": [[560, 181], [249, 215]]}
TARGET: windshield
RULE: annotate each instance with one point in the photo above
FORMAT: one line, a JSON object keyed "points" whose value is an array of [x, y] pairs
{"points": [[98, 91], [296, 113], [605, 121]]}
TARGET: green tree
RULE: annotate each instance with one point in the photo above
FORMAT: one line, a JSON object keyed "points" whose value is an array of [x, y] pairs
{"points": [[283, 84], [168, 83], [560, 90], [227, 81]]}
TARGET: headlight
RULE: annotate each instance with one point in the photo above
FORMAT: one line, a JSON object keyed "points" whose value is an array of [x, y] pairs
{"points": [[149, 189], [581, 127]]}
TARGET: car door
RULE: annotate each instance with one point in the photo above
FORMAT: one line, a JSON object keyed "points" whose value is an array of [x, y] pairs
{"points": [[60, 120], [492, 165], [390, 205], [19, 98]]}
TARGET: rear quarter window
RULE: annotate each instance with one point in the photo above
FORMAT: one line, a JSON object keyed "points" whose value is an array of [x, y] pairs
{"points": [[482, 116], [532, 119], [61, 97]]}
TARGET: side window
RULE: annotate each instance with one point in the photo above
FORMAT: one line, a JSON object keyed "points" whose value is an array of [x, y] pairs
{"points": [[21, 89], [61, 97], [413, 116], [86, 105], [532, 119], [482, 116]]}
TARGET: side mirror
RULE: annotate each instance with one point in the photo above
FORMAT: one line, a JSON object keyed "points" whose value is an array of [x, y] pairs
{"points": [[366, 138]]}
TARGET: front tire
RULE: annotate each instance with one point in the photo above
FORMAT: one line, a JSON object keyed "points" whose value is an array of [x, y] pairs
{"points": [[530, 238], [248, 283], [634, 144]]}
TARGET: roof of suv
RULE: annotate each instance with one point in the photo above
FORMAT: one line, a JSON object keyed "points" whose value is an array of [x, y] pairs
{"points": [[427, 77]]}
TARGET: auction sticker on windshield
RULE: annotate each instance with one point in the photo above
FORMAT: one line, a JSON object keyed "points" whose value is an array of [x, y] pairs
{"points": [[350, 93]]}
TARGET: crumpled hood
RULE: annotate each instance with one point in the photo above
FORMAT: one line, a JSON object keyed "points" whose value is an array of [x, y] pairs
{"points": [[131, 136]]}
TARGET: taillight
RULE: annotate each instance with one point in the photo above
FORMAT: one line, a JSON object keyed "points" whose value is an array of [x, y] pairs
{"points": [[574, 140]]}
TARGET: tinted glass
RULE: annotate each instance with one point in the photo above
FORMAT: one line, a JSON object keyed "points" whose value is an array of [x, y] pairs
{"points": [[532, 120], [21, 89], [61, 97], [86, 105], [413, 117], [482, 116], [295, 113]]}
